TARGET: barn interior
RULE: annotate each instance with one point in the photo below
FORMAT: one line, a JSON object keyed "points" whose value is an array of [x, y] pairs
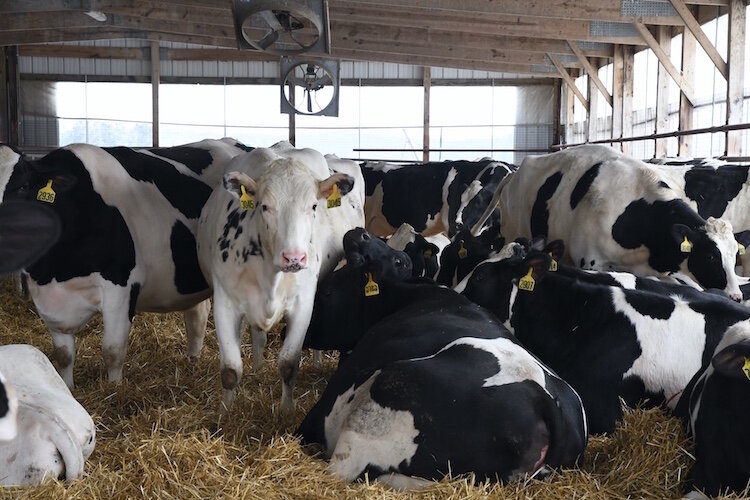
{"points": [[396, 80]]}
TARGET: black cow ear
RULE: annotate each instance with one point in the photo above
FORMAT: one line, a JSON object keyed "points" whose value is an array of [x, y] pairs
{"points": [[27, 231], [734, 361], [538, 243], [743, 238], [683, 236], [555, 249]]}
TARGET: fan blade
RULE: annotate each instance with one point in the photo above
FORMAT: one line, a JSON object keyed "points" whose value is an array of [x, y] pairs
{"points": [[268, 40], [270, 18]]}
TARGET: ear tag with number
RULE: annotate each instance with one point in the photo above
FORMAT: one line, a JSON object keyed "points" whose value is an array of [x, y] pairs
{"points": [[246, 201], [527, 282], [334, 200], [746, 367], [46, 194], [741, 248], [462, 252], [552, 264], [371, 288], [686, 246], [428, 254]]}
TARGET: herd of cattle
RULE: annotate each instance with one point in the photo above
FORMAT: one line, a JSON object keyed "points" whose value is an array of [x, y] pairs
{"points": [[488, 317]]}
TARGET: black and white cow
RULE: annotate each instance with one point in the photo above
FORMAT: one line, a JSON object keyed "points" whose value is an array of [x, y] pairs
{"points": [[465, 251], [608, 342], [714, 188], [128, 222], [422, 252], [265, 236], [436, 386], [617, 213], [433, 197]]}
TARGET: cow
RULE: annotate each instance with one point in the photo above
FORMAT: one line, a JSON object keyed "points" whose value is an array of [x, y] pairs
{"points": [[432, 197], [713, 407], [714, 188], [465, 251], [265, 236], [54, 434], [617, 213], [128, 238], [422, 253], [608, 342], [436, 386]]}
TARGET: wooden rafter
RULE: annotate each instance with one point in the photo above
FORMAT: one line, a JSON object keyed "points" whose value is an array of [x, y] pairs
{"points": [[569, 80], [676, 75], [695, 28], [591, 71]]}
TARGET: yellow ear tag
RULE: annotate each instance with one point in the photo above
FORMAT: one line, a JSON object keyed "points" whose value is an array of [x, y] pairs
{"points": [[428, 254], [46, 194], [334, 200], [246, 201], [686, 246], [552, 264], [527, 282], [371, 288], [746, 367], [741, 248], [462, 252]]}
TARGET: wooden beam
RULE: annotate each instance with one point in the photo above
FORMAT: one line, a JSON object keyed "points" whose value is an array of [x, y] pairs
{"points": [[19, 37], [426, 85], [570, 100], [735, 81], [684, 143], [617, 88], [82, 52], [628, 61], [664, 38], [590, 70], [591, 116], [569, 80], [695, 28], [12, 79], [665, 61], [155, 77]]}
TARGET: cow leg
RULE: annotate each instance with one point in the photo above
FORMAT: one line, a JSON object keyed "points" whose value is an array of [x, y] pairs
{"points": [[117, 322], [317, 357], [64, 355], [291, 350], [228, 321], [196, 319], [260, 338]]}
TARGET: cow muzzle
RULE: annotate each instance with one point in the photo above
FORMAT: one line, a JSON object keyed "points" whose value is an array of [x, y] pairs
{"points": [[293, 261]]}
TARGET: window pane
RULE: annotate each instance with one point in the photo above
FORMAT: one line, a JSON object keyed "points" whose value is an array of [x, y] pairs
{"points": [[461, 106], [118, 101], [191, 104], [391, 106], [339, 142], [254, 105], [173, 135]]}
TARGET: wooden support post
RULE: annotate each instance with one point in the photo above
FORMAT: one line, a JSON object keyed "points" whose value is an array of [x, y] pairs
{"points": [[592, 109], [685, 142], [569, 124], [427, 84], [664, 60], [617, 81], [4, 94], [664, 37], [591, 70], [695, 28], [13, 98], [557, 133], [736, 70], [628, 53], [155, 77], [568, 79]]}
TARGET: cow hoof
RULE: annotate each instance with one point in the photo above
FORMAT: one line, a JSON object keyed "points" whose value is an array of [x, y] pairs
{"points": [[229, 378]]}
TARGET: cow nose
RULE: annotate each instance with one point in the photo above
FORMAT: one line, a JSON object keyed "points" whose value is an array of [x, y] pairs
{"points": [[293, 260]]}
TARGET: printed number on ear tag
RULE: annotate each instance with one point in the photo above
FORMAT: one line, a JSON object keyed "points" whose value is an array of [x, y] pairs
{"points": [[46, 194], [462, 252], [246, 201], [371, 288], [334, 200], [741, 249], [527, 282], [746, 367], [686, 246]]}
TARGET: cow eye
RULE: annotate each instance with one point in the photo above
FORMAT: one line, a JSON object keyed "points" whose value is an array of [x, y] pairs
{"points": [[399, 262], [264, 207]]}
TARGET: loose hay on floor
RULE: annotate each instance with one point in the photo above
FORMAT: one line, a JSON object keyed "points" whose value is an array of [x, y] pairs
{"points": [[160, 433]]}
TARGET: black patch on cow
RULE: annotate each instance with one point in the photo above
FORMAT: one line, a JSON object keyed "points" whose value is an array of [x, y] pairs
{"points": [[95, 237], [188, 277], [243, 147], [583, 185], [185, 193], [135, 289], [713, 189], [256, 246], [540, 210], [196, 159], [4, 403], [372, 178], [664, 185], [224, 256], [651, 305], [720, 313]]}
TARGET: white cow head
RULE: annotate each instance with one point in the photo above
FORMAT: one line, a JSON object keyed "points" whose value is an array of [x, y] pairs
{"points": [[288, 198]]}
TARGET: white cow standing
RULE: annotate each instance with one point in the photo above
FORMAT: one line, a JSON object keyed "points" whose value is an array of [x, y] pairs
{"points": [[264, 238]]}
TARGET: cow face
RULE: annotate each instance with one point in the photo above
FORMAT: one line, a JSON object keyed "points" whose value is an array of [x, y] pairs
{"points": [[27, 231], [711, 255], [288, 198], [21, 179], [361, 248]]}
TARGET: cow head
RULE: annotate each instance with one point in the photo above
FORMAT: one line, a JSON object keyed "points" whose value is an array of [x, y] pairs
{"points": [[288, 198], [362, 249], [460, 256], [711, 255], [27, 231], [22, 179]]}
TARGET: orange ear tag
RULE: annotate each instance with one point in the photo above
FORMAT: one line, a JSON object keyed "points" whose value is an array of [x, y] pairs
{"points": [[527, 282], [246, 201], [334, 200]]}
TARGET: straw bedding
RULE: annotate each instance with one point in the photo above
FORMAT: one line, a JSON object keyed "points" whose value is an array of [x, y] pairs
{"points": [[160, 433]]}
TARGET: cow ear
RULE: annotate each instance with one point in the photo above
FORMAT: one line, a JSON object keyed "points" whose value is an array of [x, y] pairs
{"points": [[235, 181], [734, 361], [343, 182], [555, 249], [682, 233], [27, 231], [538, 243], [60, 182]]}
